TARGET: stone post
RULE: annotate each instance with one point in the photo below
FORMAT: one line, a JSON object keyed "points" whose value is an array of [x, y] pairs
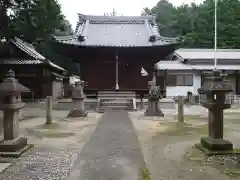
{"points": [[49, 110], [78, 109], [180, 109], [213, 93], [12, 145]]}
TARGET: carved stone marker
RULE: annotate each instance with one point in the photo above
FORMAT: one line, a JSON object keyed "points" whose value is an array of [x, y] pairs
{"points": [[213, 93], [78, 109], [153, 100], [11, 90]]}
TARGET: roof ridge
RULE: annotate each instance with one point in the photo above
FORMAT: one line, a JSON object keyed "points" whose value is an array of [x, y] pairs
{"points": [[27, 49], [82, 17], [206, 49]]}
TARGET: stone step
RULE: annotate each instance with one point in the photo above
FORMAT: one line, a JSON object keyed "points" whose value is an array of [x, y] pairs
{"points": [[116, 92], [103, 109], [116, 95]]}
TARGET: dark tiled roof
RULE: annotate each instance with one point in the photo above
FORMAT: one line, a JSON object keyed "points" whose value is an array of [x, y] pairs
{"points": [[31, 51], [58, 75], [179, 65], [27, 48], [17, 61], [172, 65], [220, 67], [207, 53], [120, 31]]}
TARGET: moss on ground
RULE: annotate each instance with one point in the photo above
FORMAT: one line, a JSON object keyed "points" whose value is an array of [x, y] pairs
{"points": [[145, 175], [194, 154], [237, 150], [50, 126], [193, 117], [179, 129], [49, 133], [228, 165]]}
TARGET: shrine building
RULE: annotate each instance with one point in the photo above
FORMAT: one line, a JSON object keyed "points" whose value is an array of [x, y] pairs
{"points": [[116, 52]]}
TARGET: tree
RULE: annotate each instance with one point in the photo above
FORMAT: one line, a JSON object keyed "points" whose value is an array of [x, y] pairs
{"points": [[196, 22], [146, 11], [35, 21], [113, 13], [39, 20]]}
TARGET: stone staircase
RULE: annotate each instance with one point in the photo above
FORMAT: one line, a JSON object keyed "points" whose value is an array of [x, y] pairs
{"points": [[116, 100]]}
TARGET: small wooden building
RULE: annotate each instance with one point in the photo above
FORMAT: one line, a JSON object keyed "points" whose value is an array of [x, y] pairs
{"points": [[40, 75], [113, 50]]}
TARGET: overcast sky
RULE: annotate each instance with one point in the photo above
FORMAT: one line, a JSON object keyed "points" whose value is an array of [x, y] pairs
{"points": [[70, 8]]}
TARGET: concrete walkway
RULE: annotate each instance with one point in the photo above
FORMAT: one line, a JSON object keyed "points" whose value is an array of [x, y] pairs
{"points": [[112, 153]]}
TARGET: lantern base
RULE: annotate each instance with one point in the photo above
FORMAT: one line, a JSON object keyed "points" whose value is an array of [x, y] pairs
{"points": [[153, 109], [212, 146], [77, 113], [14, 148]]}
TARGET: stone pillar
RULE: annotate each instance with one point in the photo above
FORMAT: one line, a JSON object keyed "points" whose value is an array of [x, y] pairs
{"points": [[49, 110], [78, 109], [12, 145], [116, 61], [180, 109], [213, 93]]}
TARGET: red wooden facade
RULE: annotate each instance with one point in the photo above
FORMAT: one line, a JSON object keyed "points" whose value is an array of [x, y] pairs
{"points": [[98, 65]]}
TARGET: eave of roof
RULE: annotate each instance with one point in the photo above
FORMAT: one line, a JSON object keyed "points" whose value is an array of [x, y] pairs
{"points": [[161, 41], [30, 50], [20, 61], [177, 65], [172, 65], [207, 54], [219, 67]]}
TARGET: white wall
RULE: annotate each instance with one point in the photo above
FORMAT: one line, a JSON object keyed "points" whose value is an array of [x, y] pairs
{"points": [[182, 90]]}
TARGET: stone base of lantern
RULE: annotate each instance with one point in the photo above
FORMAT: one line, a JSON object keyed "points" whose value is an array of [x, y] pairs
{"points": [[153, 109], [78, 109], [77, 113], [14, 148], [212, 146]]}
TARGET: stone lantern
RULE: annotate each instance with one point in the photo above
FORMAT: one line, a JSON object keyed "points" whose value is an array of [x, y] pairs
{"points": [[155, 93], [213, 94], [10, 90], [78, 96]]}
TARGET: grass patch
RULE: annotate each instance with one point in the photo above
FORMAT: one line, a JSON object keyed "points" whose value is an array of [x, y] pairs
{"points": [[193, 117], [237, 150], [50, 126], [145, 175], [194, 154], [50, 133], [228, 165], [179, 129]]}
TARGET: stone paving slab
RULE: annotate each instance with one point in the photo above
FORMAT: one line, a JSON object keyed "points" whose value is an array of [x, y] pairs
{"points": [[113, 151], [4, 166]]}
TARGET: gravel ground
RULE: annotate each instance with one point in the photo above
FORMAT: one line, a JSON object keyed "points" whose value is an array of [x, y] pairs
{"points": [[168, 147], [57, 146]]}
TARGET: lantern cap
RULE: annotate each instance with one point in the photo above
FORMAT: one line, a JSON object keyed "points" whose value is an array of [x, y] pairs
{"points": [[11, 85], [214, 82]]}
